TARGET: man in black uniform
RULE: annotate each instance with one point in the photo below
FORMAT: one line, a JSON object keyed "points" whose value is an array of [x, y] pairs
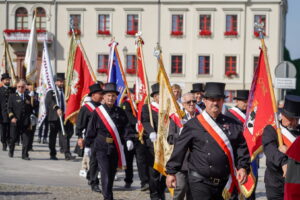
{"points": [[198, 90], [5, 91], [139, 152], [84, 116], [209, 167], [276, 159], [157, 181], [108, 129], [19, 112], [53, 113]]}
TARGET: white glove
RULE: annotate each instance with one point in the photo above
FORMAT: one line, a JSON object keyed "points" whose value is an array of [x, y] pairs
{"points": [[31, 93], [129, 144], [33, 120], [87, 151], [152, 137]]}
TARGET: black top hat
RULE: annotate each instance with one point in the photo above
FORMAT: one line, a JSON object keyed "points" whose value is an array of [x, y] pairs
{"points": [[5, 76], [95, 88], [110, 87], [291, 106], [242, 95], [197, 87], [155, 89], [59, 77], [214, 90]]}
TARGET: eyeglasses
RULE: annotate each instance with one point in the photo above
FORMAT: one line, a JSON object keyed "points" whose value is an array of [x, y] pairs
{"points": [[191, 101], [20, 86]]}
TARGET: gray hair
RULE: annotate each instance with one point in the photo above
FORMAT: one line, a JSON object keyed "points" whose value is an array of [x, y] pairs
{"points": [[185, 95]]}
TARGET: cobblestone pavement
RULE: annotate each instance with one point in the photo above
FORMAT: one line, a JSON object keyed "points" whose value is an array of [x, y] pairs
{"points": [[41, 178]]}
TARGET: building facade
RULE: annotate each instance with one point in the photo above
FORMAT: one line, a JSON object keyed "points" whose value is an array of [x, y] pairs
{"points": [[201, 40]]}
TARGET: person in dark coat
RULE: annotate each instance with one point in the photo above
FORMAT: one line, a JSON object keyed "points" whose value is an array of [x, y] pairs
{"points": [[108, 130], [19, 112], [198, 91], [157, 181], [139, 151], [208, 165], [54, 111], [276, 158], [84, 116]]}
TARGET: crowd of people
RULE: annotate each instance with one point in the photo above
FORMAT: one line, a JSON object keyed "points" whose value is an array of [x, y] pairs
{"points": [[199, 167]]}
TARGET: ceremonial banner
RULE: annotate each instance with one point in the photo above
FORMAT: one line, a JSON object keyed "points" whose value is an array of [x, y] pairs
{"points": [[81, 78], [46, 84], [260, 111], [31, 54], [7, 66]]}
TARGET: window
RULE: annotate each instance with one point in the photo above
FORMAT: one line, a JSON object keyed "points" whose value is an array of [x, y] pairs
{"points": [[255, 63], [21, 19], [102, 63], [205, 25], [132, 24], [230, 65], [231, 25], [176, 64], [203, 65], [104, 24], [230, 96], [40, 18], [260, 19], [131, 64], [177, 25], [76, 19]]}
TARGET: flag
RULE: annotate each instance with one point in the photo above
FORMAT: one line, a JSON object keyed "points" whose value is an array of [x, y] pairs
{"points": [[7, 66], [261, 110], [168, 108], [72, 49], [81, 78], [46, 84], [292, 179], [31, 54], [141, 86]]}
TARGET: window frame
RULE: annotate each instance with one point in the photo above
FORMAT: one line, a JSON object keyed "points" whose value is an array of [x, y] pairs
{"points": [[207, 33], [102, 71], [40, 18], [76, 12], [182, 62], [198, 62], [177, 32], [134, 62], [22, 19], [106, 32], [266, 32], [132, 32], [228, 74]]}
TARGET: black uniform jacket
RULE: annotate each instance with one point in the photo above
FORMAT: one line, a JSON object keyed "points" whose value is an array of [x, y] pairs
{"points": [[51, 106], [206, 156], [275, 159], [201, 105], [20, 109], [96, 129], [148, 128], [229, 114], [4, 95], [131, 118], [83, 119]]}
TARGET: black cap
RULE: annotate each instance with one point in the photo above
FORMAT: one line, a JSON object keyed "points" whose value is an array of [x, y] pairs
{"points": [[110, 87], [214, 90], [95, 88], [5, 76], [242, 95], [197, 87], [59, 77], [155, 89], [291, 106]]}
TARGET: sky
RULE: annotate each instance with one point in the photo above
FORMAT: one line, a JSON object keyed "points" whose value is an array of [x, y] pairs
{"points": [[293, 28]]}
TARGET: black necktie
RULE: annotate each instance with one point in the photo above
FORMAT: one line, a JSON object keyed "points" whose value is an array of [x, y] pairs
{"points": [[62, 103]]}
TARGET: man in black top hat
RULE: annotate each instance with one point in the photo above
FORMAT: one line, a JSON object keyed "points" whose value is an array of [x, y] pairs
{"points": [[198, 91], [107, 130], [209, 167], [84, 116], [5, 91], [156, 181], [54, 111], [276, 159]]}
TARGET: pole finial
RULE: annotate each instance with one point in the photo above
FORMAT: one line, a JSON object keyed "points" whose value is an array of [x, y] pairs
{"points": [[157, 51], [259, 27]]}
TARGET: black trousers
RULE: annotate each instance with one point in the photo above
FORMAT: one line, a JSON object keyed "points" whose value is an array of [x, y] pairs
{"points": [[157, 182], [140, 150], [275, 193], [92, 174], [55, 129], [205, 191], [107, 163], [43, 129], [4, 131], [17, 130], [31, 136]]}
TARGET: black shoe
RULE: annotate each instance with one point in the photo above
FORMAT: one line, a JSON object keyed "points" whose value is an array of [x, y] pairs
{"points": [[10, 154], [39, 140], [4, 147], [53, 158], [145, 187], [31, 149], [95, 188], [127, 185], [44, 141], [70, 157], [26, 158]]}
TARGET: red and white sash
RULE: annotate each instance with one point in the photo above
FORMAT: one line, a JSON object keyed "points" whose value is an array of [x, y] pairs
{"points": [[238, 114], [154, 106], [199, 109], [112, 129], [220, 137], [288, 138], [90, 106]]}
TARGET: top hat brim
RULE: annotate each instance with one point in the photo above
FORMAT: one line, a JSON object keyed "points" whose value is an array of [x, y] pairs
{"points": [[194, 91], [113, 91], [288, 114], [5, 78], [214, 96], [240, 98], [90, 94], [153, 93]]}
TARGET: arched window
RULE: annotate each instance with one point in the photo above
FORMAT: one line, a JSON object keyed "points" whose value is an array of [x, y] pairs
{"points": [[21, 18], [40, 18]]}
